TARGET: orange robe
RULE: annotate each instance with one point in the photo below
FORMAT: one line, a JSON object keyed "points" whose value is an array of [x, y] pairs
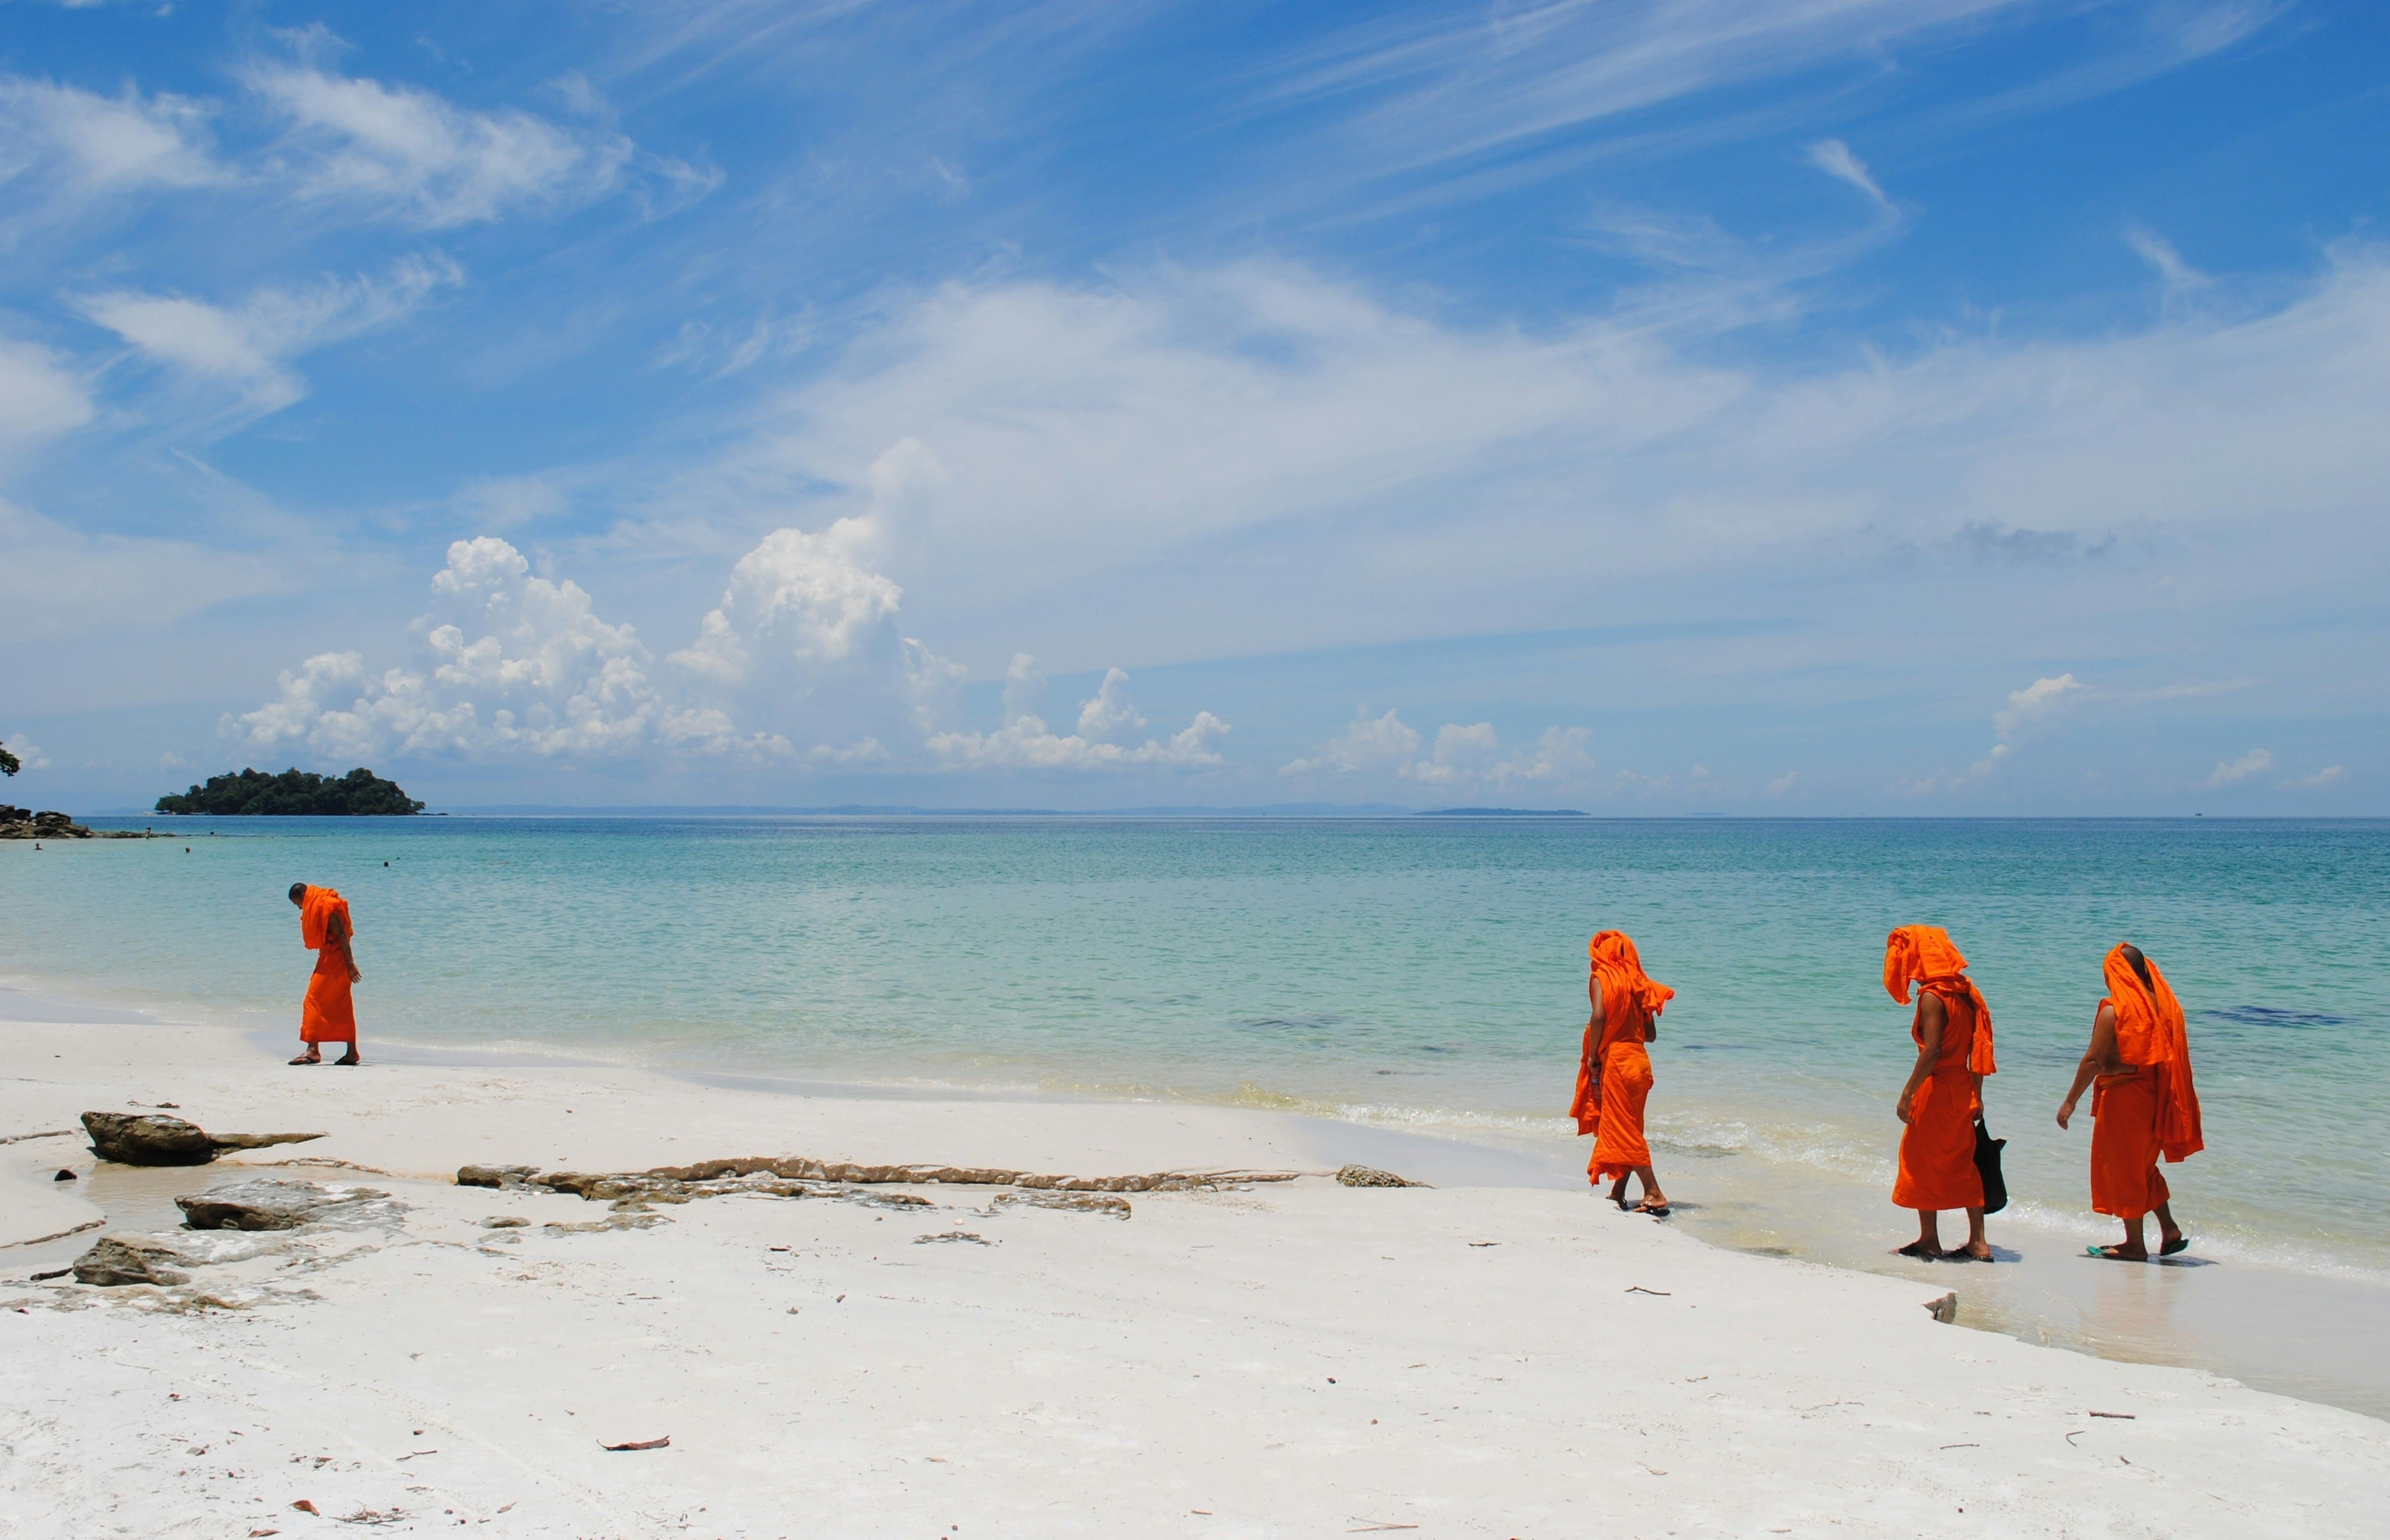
{"points": [[1613, 1072], [2150, 1109], [329, 1014], [1937, 1148]]}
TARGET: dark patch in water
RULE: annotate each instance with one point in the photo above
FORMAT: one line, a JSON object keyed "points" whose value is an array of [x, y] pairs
{"points": [[1292, 1023], [2268, 1016]]}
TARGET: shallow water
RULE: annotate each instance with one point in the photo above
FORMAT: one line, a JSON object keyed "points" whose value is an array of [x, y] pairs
{"points": [[1425, 974]]}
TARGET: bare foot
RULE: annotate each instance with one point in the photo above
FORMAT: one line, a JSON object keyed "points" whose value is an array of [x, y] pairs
{"points": [[1969, 1254], [1923, 1251], [349, 1058], [1654, 1205], [2135, 1253]]}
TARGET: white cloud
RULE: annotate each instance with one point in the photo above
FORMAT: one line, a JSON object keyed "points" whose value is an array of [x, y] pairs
{"points": [[1466, 759], [416, 155], [1024, 687], [1834, 157], [248, 346], [517, 666], [60, 582], [1782, 783], [797, 597], [83, 145], [504, 502], [38, 399], [1025, 743], [2255, 762], [2039, 701], [2329, 776], [2178, 276], [1370, 743], [29, 754]]}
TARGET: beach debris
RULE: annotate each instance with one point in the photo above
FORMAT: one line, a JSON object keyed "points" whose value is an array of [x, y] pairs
{"points": [[53, 1273], [304, 1506], [663, 1443], [63, 1175], [494, 1176], [621, 1219], [1945, 1309], [1370, 1176], [849, 1173], [1638, 1289], [153, 1139], [267, 1203], [952, 1235], [1080, 1202], [117, 1260], [2121, 1417], [1374, 1526], [374, 1516], [505, 1222], [45, 1134]]}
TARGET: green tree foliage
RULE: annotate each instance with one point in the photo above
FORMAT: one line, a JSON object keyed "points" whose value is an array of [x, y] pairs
{"points": [[293, 793], [8, 766]]}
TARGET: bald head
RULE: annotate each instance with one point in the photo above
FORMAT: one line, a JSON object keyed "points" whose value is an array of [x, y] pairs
{"points": [[299, 896]]}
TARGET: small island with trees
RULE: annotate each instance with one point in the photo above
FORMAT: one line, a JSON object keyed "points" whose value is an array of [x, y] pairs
{"points": [[295, 794]]}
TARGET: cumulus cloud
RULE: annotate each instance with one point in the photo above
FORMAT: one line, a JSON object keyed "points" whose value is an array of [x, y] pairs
{"points": [[418, 156], [2228, 772], [515, 666], [2042, 698], [1468, 757], [1370, 743], [1108, 721], [1834, 157], [2329, 776], [807, 598], [247, 347]]}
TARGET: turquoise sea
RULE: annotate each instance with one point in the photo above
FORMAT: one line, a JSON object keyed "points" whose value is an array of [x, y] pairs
{"points": [[1425, 974]]}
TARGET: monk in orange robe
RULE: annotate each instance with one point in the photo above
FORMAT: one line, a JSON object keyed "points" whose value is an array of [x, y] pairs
{"points": [[1613, 1072], [1944, 1094], [2145, 1105], [329, 1014]]}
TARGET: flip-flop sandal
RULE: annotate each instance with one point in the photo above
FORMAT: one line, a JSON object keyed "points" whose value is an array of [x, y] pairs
{"points": [[1917, 1249], [345, 1063], [1660, 1212], [2179, 1243], [1962, 1255], [302, 1058], [2110, 1254]]}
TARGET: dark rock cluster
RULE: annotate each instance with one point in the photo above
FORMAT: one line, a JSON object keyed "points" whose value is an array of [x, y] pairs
{"points": [[23, 823], [154, 1139]]}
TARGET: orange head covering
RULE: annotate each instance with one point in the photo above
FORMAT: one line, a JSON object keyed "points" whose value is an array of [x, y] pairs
{"points": [[316, 912], [1629, 996], [1621, 968], [2150, 1031], [1923, 954]]}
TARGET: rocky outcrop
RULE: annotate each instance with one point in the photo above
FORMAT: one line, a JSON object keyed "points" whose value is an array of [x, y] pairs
{"points": [[1370, 1176], [494, 1176], [153, 1139], [117, 1260], [23, 823], [267, 1203]]}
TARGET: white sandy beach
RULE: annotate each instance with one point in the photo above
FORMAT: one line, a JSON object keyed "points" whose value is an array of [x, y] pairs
{"points": [[1264, 1359]]}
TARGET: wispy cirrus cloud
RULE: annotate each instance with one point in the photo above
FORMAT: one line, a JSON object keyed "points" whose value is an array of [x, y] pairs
{"points": [[246, 347]]}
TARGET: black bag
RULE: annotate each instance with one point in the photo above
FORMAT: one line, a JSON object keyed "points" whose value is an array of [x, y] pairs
{"points": [[1987, 1166]]}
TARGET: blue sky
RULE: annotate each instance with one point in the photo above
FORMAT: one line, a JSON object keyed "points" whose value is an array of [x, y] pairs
{"points": [[1816, 406]]}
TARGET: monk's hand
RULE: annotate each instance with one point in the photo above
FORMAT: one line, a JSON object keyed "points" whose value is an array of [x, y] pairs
{"points": [[1900, 1107], [2065, 1110]]}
